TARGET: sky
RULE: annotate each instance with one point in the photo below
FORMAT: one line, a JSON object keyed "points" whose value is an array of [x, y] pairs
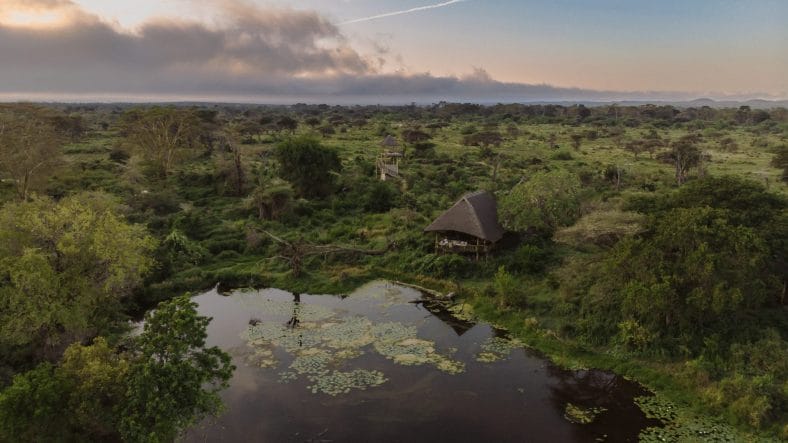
{"points": [[370, 51]]}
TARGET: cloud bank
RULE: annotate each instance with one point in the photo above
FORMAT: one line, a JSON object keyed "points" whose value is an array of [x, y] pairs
{"points": [[249, 54]]}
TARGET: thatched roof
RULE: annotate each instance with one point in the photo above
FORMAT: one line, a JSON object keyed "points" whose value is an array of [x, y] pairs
{"points": [[389, 142], [475, 214]]}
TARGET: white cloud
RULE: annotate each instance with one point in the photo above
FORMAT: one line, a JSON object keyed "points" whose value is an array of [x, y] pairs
{"points": [[403, 12]]}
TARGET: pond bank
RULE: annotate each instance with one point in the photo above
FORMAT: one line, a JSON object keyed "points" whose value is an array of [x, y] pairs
{"points": [[683, 399]]}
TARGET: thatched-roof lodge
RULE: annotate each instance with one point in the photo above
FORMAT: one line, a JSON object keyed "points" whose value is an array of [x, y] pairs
{"points": [[469, 227]]}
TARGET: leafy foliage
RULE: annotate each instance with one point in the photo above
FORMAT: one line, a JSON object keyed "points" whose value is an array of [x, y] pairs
{"points": [[168, 381], [65, 267], [545, 202], [694, 271], [162, 135], [174, 379], [601, 228], [309, 166]]}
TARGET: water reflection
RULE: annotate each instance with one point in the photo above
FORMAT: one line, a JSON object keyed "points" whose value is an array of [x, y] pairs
{"points": [[520, 397]]}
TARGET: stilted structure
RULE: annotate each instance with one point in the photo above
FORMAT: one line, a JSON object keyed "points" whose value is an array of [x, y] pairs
{"points": [[469, 227], [388, 161]]}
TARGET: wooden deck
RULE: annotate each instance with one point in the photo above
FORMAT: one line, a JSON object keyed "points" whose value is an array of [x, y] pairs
{"points": [[475, 247]]}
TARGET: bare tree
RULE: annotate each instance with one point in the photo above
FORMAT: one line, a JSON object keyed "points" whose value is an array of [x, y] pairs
{"points": [[29, 147], [161, 134]]}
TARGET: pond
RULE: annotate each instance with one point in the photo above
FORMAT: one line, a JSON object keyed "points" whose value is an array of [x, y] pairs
{"points": [[380, 366]]}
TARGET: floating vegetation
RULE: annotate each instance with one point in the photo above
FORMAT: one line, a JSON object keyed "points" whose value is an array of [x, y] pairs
{"points": [[312, 361], [497, 348], [657, 408], [580, 415], [263, 358], [398, 342], [339, 382], [322, 345], [285, 309], [462, 311], [681, 425]]}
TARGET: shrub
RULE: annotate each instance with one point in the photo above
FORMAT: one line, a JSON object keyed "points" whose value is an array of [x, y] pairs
{"points": [[562, 155], [119, 155]]}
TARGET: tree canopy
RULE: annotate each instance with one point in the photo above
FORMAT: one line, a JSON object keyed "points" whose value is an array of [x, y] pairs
{"points": [[167, 381], [543, 203], [65, 267], [162, 135], [174, 379], [308, 165]]}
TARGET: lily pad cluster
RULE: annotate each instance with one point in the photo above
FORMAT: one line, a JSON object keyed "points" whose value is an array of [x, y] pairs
{"points": [[580, 415], [497, 348], [462, 311], [342, 382], [680, 425], [322, 342]]}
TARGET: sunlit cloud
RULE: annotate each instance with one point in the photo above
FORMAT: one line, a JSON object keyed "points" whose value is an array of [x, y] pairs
{"points": [[37, 13]]}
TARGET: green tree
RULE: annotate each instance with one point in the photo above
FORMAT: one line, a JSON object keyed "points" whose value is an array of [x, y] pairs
{"points": [[545, 202], [287, 123], [75, 401], [167, 381], [601, 229], [308, 165], [685, 155], [693, 272], [35, 407], [64, 268], [174, 379], [780, 160]]}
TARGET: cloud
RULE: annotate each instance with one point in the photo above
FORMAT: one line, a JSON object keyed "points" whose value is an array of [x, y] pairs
{"points": [[403, 12], [85, 52], [250, 53]]}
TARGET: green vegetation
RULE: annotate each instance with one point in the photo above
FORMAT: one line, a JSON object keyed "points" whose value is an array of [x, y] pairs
{"points": [[649, 240], [149, 392]]}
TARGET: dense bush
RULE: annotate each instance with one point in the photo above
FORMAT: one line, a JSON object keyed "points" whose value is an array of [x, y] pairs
{"points": [[309, 166]]}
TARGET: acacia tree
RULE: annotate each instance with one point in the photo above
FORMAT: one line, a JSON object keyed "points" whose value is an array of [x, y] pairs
{"points": [[484, 140], [415, 135], [684, 154], [162, 135], [29, 147], [288, 124]]}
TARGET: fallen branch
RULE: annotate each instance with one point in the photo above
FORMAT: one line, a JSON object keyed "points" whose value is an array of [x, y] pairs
{"points": [[295, 252]]}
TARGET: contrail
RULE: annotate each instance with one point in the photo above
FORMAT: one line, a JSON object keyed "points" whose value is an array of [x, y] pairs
{"points": [[406, 11]]}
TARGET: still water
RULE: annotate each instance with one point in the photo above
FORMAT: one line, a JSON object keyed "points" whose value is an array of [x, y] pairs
{"points": [[378, 366]]}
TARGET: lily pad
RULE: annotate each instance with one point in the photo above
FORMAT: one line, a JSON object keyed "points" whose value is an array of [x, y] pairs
{"points": [[580, 415]]}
